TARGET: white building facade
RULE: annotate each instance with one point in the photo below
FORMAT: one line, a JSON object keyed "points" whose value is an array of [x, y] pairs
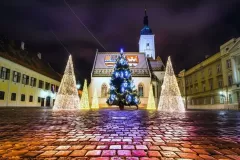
{"points": [[143, 65]]}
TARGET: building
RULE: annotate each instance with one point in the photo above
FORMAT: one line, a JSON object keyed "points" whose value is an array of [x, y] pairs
{"points": [[25, 80], [145, 68], [214, 82]]}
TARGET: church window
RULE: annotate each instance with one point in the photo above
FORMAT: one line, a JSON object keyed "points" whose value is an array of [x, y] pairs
{"points": [[104, 90], [140, 90], [147, 46]]}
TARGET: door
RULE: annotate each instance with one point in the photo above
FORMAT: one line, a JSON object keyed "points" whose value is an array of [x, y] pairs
{"points": [[42, 102], [48, 101]]}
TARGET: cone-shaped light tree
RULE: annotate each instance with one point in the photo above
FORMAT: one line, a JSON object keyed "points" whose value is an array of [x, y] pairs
{"points": [[151, 101], [95, 104], [84, 104], [122, 89], [67, 96], [170, 99]]}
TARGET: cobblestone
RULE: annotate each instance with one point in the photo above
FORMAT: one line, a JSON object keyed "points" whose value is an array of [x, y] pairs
{"points": [[110, 134]]}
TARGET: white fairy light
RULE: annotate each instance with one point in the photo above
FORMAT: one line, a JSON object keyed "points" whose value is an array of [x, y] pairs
{"points": [[170, 99], [84, 99], [151, 101], [67, 96]]}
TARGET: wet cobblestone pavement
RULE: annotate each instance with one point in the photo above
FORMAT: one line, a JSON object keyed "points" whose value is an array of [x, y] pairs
{"points": [[27, 133]]}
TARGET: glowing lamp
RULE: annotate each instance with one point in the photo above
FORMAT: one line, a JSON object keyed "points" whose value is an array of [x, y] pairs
{"points": [[121, 50]]}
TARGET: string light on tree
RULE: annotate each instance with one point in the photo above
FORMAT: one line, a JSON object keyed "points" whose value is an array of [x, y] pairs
{"points": [[170, 99], [95, 104], [151, 101], [122, 90], [84, 99], [67, 96]]}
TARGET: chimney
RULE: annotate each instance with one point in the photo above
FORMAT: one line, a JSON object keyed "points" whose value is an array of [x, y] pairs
{"points": [[39, 55], [22, 45]]}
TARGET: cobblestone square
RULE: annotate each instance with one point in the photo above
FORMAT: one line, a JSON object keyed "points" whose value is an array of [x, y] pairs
{"points": [[110, 134]]}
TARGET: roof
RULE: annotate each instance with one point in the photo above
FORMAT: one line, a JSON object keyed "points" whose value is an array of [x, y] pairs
{"points": [[156, 64], [146, 30], [105, 61], [31, 62]]}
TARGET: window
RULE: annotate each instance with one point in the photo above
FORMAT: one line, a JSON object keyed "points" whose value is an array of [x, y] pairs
{"points": [[39, 99], [13, 97], [53, 88], [204, 87], [228, 63], [195, 76], [218, 68], [220, 84], [230, 98], [104, 90], [57, 88], [147, 46], [47, 85], [33, 82], [40, 84], [205, 101], [22, 97], [196, 88], [5, 72], [209, 71], [2, 95], [222, 99], [16, 76], [212, 100], [230, 80], [25, 79], [140, 90], [30, 98], [211, 84]]}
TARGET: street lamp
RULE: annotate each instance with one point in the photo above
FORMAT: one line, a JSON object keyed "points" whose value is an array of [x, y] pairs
{"points": [[78, 85]]}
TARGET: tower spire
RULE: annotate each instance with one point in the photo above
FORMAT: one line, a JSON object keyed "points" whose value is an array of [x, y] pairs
{"points": [[145, 20]]}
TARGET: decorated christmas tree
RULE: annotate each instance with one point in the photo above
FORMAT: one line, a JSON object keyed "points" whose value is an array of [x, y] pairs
{"points": [[122, 90], [67, 96], [151, 101], [170, 99], [95, 104], [84, 99]]}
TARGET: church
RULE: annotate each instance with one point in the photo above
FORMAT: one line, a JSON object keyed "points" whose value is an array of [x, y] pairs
{"points": [[145, 68]]}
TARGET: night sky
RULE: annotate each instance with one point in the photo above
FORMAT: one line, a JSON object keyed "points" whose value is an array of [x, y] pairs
{"points": [[187, 30]]}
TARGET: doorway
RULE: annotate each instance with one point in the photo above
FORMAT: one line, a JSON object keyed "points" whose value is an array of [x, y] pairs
{"points": [[42, 102], [48, 101]]}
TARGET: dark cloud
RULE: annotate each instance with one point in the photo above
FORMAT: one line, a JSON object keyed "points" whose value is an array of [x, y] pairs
{"points": [[187, 30]]}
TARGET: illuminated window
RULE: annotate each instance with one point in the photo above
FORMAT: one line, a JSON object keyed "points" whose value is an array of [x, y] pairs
{"points": [[228, 63], [140, 90], [5, 72], [33, 81], [25, 79], [218, 68], [16, 76], [104, 90]]}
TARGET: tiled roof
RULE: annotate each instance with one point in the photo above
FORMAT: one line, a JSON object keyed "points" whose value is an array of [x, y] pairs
{"points": [[104, 64], [31, 62]]}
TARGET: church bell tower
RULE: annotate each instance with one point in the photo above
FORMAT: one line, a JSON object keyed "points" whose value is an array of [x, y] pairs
{"points": [[146, 41]]}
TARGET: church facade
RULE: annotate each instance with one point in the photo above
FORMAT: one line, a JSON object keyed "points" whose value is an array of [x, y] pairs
{"points": [[144, 66]]}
